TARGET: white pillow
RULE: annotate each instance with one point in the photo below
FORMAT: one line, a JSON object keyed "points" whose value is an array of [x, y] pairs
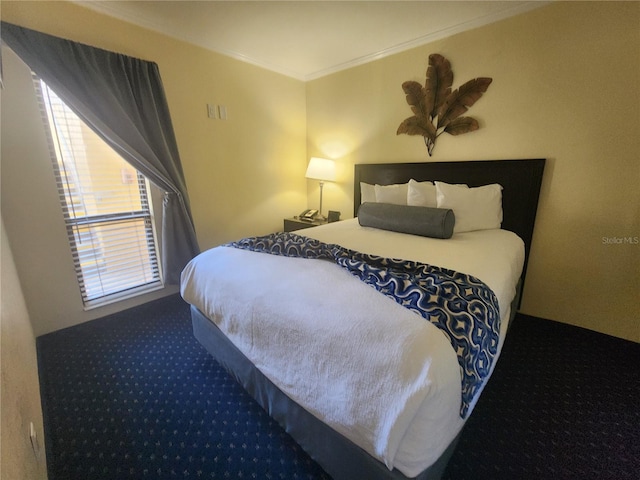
{"points": [[477, 208], [367, 192], [396, 194], [421, 194]]}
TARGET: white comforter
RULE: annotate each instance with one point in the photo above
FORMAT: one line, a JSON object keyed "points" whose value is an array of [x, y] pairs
{"points": [[374, 371]]}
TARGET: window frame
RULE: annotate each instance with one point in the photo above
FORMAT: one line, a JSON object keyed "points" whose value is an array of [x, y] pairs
{"points": [[75, 223]]}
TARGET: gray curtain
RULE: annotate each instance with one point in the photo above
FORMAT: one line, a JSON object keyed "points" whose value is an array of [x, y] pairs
{"points": [[122, 99]]}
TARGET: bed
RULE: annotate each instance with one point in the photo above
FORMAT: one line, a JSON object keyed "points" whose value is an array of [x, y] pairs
{"points": [[364, 384]]}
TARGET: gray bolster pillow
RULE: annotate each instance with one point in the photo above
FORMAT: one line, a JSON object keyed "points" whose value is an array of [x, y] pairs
{"points": [[424, 221]]}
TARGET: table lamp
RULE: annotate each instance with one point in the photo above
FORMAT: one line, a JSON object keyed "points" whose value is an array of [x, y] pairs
{"points": [[323, 170]]}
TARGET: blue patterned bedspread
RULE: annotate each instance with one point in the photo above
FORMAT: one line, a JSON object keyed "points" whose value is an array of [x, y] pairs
{"points": [[462, 306]]}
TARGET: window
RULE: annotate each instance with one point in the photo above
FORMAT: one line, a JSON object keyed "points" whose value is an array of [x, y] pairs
{"points": [[106, 208]]}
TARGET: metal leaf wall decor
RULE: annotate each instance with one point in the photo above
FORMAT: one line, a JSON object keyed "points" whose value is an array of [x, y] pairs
{"points": [[436, 109]]}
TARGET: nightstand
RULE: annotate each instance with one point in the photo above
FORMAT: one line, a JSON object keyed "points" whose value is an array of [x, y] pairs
{"points": [[293, 224]]}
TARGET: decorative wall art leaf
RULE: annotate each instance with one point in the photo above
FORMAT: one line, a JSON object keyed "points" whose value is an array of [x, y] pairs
{"points": [[436, 109]]}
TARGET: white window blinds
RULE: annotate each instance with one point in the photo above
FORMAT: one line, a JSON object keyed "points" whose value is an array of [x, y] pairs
{"points": [[106, 209]]}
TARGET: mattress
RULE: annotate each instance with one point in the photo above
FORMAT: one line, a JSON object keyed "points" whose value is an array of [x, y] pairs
{"points": [[230, 285]]}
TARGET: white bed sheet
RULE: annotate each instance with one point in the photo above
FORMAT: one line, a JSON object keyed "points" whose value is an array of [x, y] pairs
{"points": [[422, 423], [494, 256]]}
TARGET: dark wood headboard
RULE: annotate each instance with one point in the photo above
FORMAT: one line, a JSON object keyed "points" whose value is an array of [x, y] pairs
{"points": [[520, 179]]}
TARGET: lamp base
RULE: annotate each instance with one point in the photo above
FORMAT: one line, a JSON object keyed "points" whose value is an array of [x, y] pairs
{"points": [[319, 217]]}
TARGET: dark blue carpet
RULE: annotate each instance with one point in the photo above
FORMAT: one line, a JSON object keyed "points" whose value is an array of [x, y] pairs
{"points": [[562, 403], [134, 396]]}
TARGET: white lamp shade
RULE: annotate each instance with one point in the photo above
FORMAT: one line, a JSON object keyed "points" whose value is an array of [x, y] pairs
{"points": [[321, 169]]}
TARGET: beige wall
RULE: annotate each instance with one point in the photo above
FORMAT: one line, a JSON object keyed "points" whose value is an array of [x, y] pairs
{"points": [[20, 390], [244, 174], [565, 88]]}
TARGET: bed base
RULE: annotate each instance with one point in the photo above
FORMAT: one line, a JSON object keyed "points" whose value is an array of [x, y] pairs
{"points": [[338, 456]]}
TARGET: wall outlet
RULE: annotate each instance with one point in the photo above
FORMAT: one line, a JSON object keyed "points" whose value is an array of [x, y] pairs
{"points": [[211, 111], [33, 437], [222, 112]]}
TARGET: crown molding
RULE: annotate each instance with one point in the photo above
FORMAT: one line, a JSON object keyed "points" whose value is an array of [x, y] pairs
{"points": [[111, 9], [431, 37]]}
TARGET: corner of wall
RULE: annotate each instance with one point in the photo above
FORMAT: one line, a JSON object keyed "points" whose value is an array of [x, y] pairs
{"points": [[20, 389]]}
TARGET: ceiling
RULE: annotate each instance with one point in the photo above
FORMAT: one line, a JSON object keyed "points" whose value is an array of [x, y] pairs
{"points": [[308, 39]]}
